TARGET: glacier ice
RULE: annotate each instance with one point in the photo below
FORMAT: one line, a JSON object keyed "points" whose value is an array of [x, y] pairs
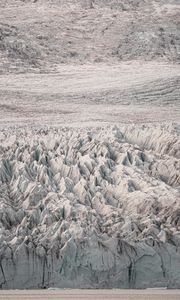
{"points": [[90, 208]]}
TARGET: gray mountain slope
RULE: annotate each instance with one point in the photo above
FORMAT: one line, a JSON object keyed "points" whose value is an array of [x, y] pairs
{"points": [[40, 34]]}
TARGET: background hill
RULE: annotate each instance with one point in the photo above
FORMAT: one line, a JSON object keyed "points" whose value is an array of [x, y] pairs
{"points": [[40, 34]]}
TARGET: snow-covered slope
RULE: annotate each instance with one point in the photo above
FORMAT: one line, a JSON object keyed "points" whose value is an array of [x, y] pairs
{"points": [[95, 208]]}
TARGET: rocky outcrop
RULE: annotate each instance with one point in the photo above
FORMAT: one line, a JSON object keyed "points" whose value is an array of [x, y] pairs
{"points": [[95, 208]]}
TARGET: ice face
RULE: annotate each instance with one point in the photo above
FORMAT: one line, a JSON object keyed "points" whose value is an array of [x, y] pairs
{"points": [[90, 208]]}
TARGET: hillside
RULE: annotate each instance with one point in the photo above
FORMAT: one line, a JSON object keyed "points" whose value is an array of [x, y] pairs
{"points": [[38, 35]]}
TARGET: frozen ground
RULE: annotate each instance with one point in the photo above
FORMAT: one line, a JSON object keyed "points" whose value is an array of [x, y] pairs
{"points": [[91, 294]]}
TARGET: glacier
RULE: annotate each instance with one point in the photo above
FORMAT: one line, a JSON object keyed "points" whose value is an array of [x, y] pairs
{"points": [[90, 207]]}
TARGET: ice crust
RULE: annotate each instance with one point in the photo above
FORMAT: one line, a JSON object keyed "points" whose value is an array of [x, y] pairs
{"points": [[90, 208]]}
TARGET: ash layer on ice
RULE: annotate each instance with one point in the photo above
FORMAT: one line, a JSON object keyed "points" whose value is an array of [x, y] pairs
{"points": [[90, 208]]}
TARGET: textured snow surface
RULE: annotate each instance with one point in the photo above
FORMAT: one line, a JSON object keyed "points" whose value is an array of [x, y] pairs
{"points": [[91, 208]]}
